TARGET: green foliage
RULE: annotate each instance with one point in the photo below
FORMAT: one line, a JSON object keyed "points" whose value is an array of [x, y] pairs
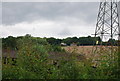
{"points": [[69, 70], [70, 40], [112, 42], [57, 49], [33, 62], [88, 40], [13, 72], [82, 40], [9, 42], [53, 41]]}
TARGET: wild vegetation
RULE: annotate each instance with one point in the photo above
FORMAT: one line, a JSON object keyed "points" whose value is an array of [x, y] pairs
{"points": [[41, 58]]}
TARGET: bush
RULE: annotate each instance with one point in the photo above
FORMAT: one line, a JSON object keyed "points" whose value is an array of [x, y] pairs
{"points": [[57, 49]]}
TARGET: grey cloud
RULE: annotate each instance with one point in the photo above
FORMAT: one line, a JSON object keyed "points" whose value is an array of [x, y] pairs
{"points": [[65, 18], [65, 32], [16, 12]]}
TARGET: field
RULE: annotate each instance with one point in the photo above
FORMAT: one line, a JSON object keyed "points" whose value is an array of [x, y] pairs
{"points": [[95, 54], [89, 51], [83, 50]]}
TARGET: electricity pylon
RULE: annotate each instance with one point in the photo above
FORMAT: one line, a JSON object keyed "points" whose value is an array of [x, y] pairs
{"points": [[107, 27]]}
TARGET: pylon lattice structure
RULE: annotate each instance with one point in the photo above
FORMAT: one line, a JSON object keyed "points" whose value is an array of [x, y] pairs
{"points": [[107, 26]]}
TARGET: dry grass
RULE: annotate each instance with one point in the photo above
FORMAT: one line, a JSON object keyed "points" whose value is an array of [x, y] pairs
{"points": [[93, 53], [83, 50], [89, 50]]}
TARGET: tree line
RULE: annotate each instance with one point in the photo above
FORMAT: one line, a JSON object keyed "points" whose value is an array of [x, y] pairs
{"points": [[11, 41]]}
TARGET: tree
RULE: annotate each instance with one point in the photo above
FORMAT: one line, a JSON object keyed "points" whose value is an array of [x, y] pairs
{"points": [[112, 42], [9, 42], [53, 41]]}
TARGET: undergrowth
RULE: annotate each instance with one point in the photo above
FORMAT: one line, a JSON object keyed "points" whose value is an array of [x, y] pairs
{"points": [[33, 63]]}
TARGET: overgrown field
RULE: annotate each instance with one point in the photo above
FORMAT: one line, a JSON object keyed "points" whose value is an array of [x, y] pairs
{"points": [[90, 51], [36, 59]]}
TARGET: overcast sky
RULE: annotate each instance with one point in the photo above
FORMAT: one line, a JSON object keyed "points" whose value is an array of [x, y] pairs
{"points": [[48, 19]]}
